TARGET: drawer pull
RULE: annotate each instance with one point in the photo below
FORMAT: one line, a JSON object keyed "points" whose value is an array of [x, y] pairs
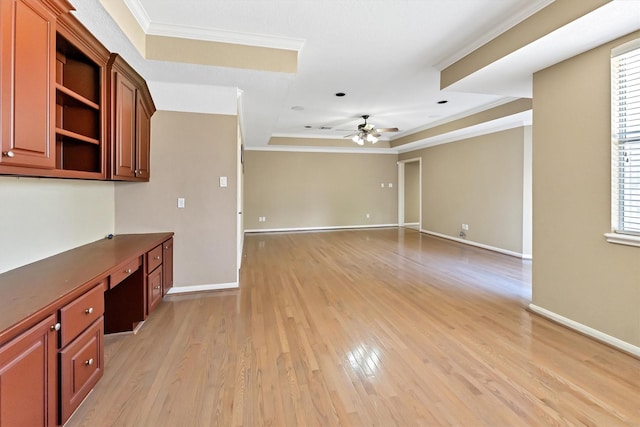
{"points": [[156, 257], [89, 310], [88, 362], [55, 327], [128, 270]]}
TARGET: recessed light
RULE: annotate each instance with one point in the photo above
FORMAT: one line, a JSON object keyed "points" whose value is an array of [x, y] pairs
{"points": [[297, 108], [444, 101], [340, 94]]}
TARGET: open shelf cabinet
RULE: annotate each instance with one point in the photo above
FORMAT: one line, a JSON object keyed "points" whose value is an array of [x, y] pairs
{"points": [[79, 124]]}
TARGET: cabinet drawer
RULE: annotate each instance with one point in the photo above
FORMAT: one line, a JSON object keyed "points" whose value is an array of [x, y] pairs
{"points": [[81, 366], [154, 258], [76, 316], [154, 289], [123, 271]]}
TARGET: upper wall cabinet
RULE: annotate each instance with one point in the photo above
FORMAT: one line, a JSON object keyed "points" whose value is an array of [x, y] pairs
{"points": [[27, 58], [131, 108], [81, 102], [69, 108]]}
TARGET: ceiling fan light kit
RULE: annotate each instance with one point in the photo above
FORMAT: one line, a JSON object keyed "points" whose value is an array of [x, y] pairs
{"points": [[368, 132]]}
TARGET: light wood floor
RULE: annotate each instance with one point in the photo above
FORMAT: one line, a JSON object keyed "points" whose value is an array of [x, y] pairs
{"points": [[363, 327]]}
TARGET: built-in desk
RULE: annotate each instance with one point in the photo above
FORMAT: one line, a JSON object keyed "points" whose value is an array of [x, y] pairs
{"points": [[54, 313]]}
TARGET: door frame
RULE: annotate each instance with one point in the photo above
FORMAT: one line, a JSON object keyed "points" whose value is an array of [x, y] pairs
{"points": [[401, 187]]}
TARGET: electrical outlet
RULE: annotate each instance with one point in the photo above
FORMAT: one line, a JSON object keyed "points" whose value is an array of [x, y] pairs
{"points": [[465, 227], [368, 216]]}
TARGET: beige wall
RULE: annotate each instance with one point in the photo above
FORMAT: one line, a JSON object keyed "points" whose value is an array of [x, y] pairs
{"points": [[189, 152], [412, 192], [305, 190], [576, 273], [479, 182], [42, 217]]}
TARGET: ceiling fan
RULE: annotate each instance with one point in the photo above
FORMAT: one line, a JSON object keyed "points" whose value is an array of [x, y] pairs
{"points": [[368, 132]]}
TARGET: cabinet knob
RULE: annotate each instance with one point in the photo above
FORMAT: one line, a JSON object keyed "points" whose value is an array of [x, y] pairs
{"points": [[55, 327], [88, 362], [89, 310], [156, 287], [156, 257], [128, 270], [166, 247], [8, 153]]}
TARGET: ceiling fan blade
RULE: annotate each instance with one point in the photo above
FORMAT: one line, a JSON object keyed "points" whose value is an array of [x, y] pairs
{"points": [[387, 130], [368, 127], [350, 136]]}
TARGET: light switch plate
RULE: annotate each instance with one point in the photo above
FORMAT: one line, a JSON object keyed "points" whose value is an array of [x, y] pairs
{"points": [[180, 202], [223, 181]]}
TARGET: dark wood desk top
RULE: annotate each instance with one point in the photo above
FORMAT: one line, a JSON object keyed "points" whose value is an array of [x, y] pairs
{"points": [[29, 293]]}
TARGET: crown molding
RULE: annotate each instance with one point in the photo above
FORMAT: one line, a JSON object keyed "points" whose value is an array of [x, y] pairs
{"points": [[208, 34], [224, 36], [139, 13], [339, 150], [454, 117], [514, 19], [504, 123]]}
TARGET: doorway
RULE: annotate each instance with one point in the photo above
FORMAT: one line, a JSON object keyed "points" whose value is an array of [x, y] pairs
{"points": [[410, 193]]}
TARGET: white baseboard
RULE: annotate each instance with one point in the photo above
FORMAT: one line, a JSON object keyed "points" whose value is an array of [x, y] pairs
{"points": [[202, 288], [331, 227], [479, 245], [586, 330]]}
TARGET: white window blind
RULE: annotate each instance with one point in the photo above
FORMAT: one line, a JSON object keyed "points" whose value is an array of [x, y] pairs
{"points": [[625, 143]]}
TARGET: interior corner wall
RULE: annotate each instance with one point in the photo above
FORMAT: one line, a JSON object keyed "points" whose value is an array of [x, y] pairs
{"points": [[303, 190], [189, 153], [41, 217], [527, 194], [476, 181], [576, 272]]}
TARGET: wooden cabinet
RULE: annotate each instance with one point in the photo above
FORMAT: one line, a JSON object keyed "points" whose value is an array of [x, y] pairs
{"points": [[167, 266], [154, 263], [48, 368], [29, 377], [27, 58], [131, 108], [154, 289], [80, 115], [81, 366], [69, 107]]}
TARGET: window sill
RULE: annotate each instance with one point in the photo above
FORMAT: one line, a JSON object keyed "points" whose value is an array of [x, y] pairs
{"points": [[622, 239]]}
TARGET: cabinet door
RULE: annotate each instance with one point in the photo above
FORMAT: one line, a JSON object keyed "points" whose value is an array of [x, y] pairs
{"points": [[82, 365], [27, 70], [154, 289], [29, 376], [143, 140], [167, 266], [125, 127]]}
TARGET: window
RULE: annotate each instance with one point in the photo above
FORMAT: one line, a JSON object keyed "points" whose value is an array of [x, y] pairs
{"points": [[625, 140]]}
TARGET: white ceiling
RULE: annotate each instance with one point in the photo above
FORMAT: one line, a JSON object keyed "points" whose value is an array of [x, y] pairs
{"points": [[384, 54]]}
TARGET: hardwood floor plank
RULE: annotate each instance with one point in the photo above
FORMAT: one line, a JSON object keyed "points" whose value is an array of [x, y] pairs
{"points": [[378, 327]]}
